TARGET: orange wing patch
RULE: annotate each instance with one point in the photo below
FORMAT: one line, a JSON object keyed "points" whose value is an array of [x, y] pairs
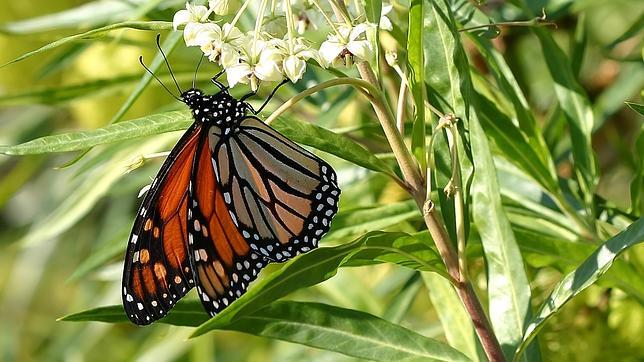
{"points": [[157, 269], [224, 264]]}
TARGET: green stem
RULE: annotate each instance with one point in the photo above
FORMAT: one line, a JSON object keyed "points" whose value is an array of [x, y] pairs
{"points": [[239, 14], [289, 25], [258, 27], [363, 86], [407, 162]]}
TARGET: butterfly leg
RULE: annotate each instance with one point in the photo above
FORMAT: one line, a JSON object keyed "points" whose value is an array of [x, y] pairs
{"points": [[218, 83], [250, 108]]}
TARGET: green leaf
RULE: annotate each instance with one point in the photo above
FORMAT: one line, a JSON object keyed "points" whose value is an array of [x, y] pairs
{"points": [[403, 299], [358, 221], [328, 141], [90, 14], [584, 276], [186, 313], [637, 184], [74, 141], [639, 108], [109, 251], [579, 44], [508, 288], [416, 66], [578, 113], [632, 31], [611, 100], [346, 331], [513, 144], [97, 33], [542, 166], [298, 131], [412, 252], [373, 9], [304, 271], [456, 323]]}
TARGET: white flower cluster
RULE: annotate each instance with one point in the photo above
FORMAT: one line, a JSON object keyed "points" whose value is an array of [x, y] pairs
{"points": [[277, 50]]}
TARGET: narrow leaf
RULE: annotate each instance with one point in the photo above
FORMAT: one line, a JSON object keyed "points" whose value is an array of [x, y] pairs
{"points": [[578, 113], [358, 221], [584, 276], [328, 141], [306, 270], [456, 323], [508, 288], [416, 59], [89, 14], [346, 331], [185, 313], [74, 141], [96, 33], [637, 184]]}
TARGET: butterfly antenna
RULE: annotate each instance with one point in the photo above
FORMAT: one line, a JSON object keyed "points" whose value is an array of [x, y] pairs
{"points": [[194, 77], [157, 78], [167, 63]]}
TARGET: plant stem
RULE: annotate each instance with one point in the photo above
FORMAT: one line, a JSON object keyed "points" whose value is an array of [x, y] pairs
{"points": [[361, 85], [408, 164], [417, 189], [481, 324], [458, 198]]}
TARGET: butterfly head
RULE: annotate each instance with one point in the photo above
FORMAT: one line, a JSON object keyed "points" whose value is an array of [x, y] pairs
{"points": [[193, 98]]}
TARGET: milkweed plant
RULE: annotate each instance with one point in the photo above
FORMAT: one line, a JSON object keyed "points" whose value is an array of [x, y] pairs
{"points": [[452, 180]]}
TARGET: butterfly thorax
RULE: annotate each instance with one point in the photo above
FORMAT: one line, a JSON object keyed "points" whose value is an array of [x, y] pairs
{"points": [[220, 109]]}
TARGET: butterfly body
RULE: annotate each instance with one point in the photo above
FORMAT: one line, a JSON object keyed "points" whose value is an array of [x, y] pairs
{"points": [[233, 195]]}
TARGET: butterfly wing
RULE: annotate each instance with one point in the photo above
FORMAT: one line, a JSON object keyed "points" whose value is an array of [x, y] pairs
{"points": [[157, 270], [223, 262], [281, 197]]}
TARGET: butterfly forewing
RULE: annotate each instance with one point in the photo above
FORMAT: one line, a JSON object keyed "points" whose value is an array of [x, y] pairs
{"points": [[281, 197], [157, 270], [223, 262]]}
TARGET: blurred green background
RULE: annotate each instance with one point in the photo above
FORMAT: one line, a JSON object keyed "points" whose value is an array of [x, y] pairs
{"points": [[63, 230]]}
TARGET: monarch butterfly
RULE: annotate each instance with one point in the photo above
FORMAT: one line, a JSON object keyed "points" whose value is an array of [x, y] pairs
{"points": [[232, 196]]}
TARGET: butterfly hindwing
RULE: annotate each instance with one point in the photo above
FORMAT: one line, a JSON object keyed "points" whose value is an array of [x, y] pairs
{"points": [[281, 197], [223, 262], [157, 270]]}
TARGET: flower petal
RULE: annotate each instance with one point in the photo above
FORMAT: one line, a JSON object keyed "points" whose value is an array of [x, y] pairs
{"points": [[198, 12], [358, 30], [190, 34], [238, 73], [361, 49], [329, 50], [231, 33], [385, 23], [219, 7], [205, 33], [294, 68], [181, 17], [229, 55], [268, 71]]}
